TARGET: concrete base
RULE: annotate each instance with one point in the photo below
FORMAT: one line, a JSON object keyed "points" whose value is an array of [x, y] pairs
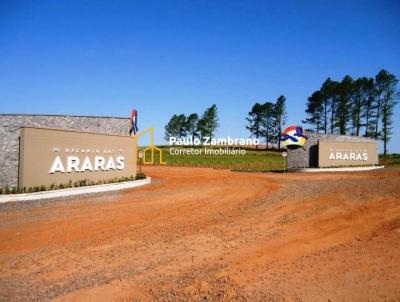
{"points": [[339, 169], [75, 191]]}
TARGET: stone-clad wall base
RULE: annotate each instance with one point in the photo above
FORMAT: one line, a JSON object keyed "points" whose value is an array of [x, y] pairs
{"points": [[10, 125], [307, 157]]}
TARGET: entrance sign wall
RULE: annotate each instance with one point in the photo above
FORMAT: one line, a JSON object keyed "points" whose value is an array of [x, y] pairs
{"points": [[52, 156]]}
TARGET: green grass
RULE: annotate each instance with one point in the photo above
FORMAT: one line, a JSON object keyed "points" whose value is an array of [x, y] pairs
{"points": [[253, 160], [390, 160]]}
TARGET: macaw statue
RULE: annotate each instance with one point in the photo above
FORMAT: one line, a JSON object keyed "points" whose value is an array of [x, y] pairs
{"points": [[134, 128]]}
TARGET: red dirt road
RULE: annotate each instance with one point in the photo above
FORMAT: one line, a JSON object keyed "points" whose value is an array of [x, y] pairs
{"points": [[210, 235]]}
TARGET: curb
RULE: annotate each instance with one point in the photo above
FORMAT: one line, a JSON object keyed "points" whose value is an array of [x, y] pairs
{"points": [[75, 191], [342, 169]]}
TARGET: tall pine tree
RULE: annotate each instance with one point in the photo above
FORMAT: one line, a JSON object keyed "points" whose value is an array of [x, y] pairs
{"points": [[279, 112], [387, 96], [255, 121], [316, 112]]}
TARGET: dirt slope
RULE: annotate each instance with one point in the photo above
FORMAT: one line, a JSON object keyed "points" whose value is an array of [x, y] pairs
{"points": [[210, 235]]}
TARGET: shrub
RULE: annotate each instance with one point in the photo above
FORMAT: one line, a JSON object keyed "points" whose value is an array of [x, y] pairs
{"points": [[70, 184], [140, 176]]}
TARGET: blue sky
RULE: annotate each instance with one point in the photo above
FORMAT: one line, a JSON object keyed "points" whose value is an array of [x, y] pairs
{"points": [[166, 57]]}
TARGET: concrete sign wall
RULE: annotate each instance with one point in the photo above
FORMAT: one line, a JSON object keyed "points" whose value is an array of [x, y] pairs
{"points": [[341, 154], [10, 125], [50, 156], [308, 156]]}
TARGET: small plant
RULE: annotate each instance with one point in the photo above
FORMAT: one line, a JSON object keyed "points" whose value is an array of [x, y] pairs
{"points": [[70, 184], [140, 176]]}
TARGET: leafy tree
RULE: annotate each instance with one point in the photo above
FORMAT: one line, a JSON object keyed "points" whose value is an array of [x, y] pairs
{"points": [[280, 114], [191, 125], [255, 120], [209, 122]]}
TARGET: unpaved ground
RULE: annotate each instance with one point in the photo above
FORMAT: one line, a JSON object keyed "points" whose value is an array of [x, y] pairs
{"points": [[210, 235]]}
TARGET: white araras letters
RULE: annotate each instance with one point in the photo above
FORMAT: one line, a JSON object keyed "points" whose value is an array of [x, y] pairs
{"points": [[348, 156], [99, 163]]}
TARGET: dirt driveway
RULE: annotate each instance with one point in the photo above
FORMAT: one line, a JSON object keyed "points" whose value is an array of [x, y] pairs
{"points": [[210, 235]]}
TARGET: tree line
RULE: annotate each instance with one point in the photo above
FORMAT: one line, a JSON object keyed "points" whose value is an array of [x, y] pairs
{"points": [[267, 120], [193, 126], [361, 107]]}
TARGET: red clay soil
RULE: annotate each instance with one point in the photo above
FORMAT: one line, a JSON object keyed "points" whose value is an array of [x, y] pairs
{"points": [[210, 235]]}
